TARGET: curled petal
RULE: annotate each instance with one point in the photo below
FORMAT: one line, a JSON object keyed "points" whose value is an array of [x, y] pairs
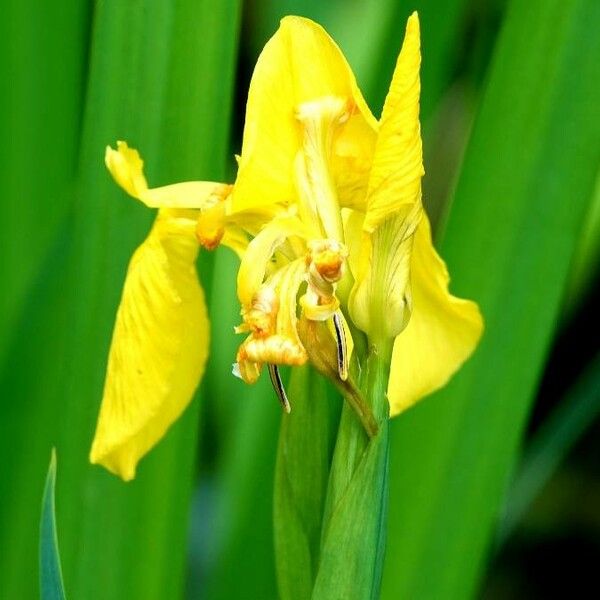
{"points": [[127, 169], [159, 345], [442, 332], [274, 338]]}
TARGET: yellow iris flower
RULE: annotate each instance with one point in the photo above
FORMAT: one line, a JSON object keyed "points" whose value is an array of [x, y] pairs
{"points": [[326, 216], [350, 191]]}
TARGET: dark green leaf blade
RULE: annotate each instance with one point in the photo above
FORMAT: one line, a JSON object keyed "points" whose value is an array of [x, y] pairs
{"points": [[51, 581], [556, 436]]}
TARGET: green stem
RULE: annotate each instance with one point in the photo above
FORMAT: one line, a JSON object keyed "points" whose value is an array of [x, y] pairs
{"points": [[353, 539], [304, 454]]}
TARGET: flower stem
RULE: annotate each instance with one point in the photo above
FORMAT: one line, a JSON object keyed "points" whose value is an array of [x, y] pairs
{"points": [[304, 454], [353, 535]]}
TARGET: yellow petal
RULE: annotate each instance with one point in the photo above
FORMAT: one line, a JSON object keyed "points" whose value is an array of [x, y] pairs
{"points": [[397, 169], [299, 64], [351, 162], [257, 256], [281, 345], [159, 346], [380, 300], [442, 332], [127, 169]]}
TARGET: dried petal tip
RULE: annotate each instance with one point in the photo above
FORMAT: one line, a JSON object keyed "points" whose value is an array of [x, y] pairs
{"points": [[275, 377], [322, 349], [342, 349]]}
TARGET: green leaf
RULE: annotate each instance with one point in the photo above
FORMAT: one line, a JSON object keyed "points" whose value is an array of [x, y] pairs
{"points": [[245, 422], [45, 57], [306, 439], [161, 76], [51, 582], [528, 175], [44, 54], [551, 444], [585, 262]]}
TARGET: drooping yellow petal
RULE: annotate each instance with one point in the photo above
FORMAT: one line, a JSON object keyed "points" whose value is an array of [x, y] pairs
{"points": [[127, 169], [159, 345], [299, 64], [442, 332], [397, 169]]}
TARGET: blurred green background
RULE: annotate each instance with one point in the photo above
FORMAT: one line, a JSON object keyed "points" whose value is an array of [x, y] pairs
{"points": [[495, 490]]}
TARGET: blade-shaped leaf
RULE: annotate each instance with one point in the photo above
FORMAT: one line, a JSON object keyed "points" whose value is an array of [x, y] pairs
{"points": [[528, 175], [43, 53], [126, 540], [51, 582]]}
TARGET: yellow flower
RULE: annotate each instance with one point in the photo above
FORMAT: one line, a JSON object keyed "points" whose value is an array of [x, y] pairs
{"points": [[326, 216], [160, 340], [346, 191]]}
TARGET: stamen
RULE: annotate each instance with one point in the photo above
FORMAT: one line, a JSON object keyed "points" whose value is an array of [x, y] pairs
{"points": [[275, 377], [342, 348]]}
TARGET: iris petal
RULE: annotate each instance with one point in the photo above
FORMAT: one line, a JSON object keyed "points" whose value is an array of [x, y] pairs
{"points": [[442, 332], [127, 169], [300, 63], [395, 179], [159, 346]]}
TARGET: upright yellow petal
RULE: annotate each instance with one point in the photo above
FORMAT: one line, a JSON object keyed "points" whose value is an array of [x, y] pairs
{"points": [[441, 334], [299, 64], [397, 169], [127, 169], [380, 300], [159, 346]]}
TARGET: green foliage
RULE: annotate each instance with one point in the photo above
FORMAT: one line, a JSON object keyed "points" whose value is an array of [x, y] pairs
{"points": [[306, 439], [134, 536], [355, 517], [51, 582], [527, 178], [161, 75]]}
